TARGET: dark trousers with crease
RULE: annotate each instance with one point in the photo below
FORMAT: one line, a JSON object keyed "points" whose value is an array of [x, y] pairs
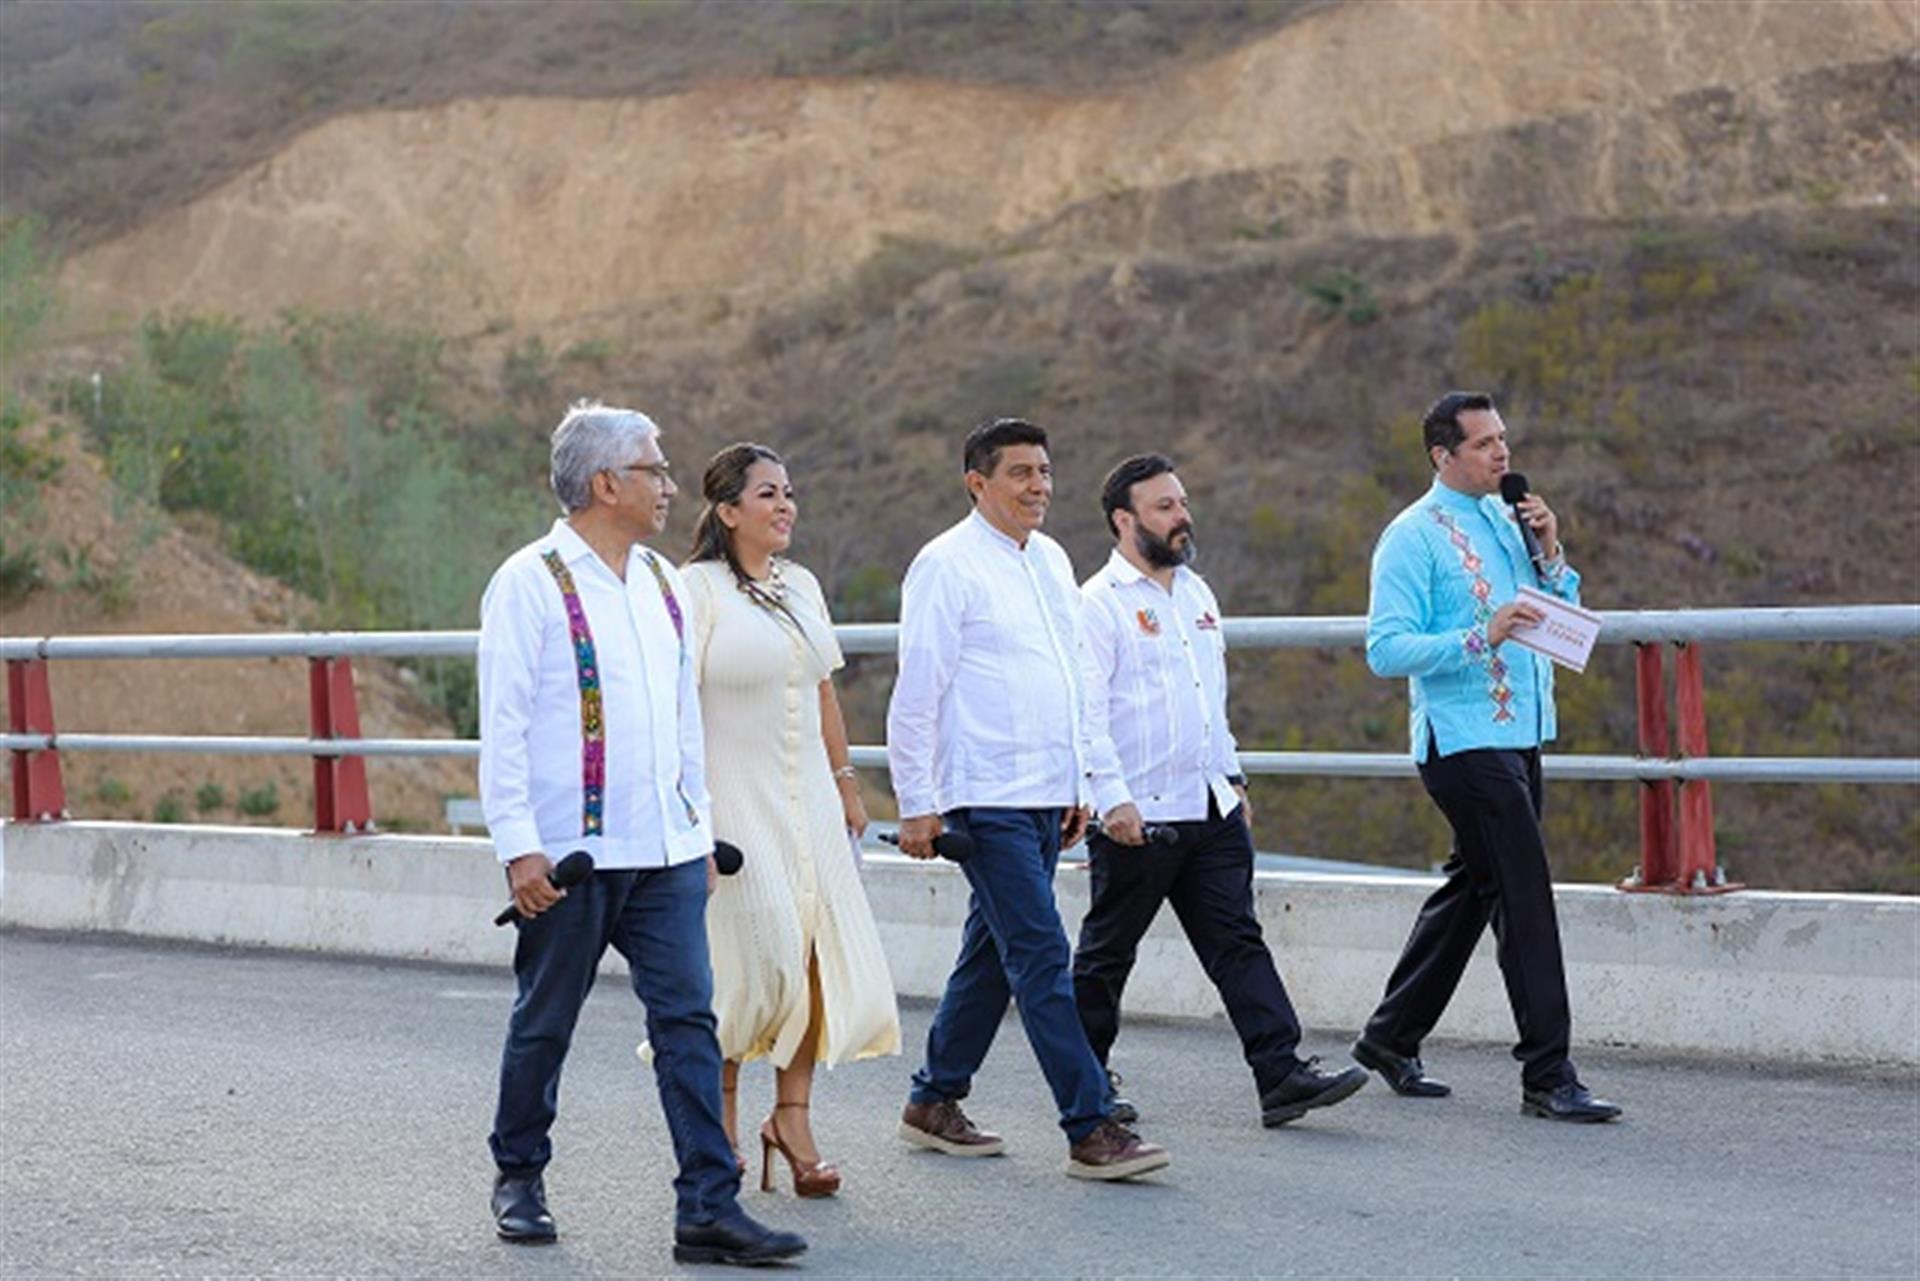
{"points": [[657, 919], [1207, 875], [1013, 945], [1497, 874]]}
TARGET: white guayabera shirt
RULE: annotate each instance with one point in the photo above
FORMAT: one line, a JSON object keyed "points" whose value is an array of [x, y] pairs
{"points": [[986, 710], [1155, 665], [654, 810]]}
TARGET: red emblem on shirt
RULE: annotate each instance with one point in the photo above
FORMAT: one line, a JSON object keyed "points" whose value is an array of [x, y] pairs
{"points": [[1149, 621], [1207, 622]]}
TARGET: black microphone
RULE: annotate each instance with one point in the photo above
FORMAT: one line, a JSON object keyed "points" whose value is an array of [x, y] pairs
{"points": [[1155, 833], [955, 847], [727, 857], [573, 869], [1513, 487]]}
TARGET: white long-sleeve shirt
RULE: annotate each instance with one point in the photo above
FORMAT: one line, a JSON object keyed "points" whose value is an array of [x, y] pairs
{"points": [[1155, 665], [655, 810], [986, 710]]}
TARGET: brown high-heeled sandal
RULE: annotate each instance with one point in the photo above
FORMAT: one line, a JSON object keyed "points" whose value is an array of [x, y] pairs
{"points": [[810, 1179]]}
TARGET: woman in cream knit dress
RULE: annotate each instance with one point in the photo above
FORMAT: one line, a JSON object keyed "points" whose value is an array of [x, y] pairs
{"points": [[799, 975]]}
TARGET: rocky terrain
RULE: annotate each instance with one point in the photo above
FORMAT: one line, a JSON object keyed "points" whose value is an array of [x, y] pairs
{"points": [[1678, 240]]}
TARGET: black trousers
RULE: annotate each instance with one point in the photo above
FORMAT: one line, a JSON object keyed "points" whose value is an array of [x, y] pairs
{"points": [[1208, 877], [1497, 873]]}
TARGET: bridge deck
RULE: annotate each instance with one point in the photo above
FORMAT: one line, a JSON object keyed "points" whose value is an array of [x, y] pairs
{"points": [[170, 1111]]}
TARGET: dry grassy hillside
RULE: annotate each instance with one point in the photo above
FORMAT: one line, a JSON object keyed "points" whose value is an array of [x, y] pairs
{"points": [[1680, 241], [679, 213], [128, 569], [117, 109]]}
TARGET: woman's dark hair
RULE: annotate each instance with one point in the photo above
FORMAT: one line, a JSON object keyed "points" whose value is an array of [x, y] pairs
{"points": [[723, 482], [1440, 425]]}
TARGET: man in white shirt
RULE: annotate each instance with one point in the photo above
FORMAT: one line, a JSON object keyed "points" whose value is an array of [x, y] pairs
{"points": [[590, 740], [985, 737], [1175, 823]]}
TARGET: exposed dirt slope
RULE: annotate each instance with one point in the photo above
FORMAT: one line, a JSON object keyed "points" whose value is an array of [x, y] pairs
{"points": [[146, 575], [1382, 118]]}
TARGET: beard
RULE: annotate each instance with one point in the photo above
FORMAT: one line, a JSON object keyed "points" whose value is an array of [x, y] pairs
{"points": [[1160, 552]]}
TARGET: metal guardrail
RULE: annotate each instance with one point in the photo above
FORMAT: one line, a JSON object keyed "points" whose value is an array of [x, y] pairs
{"points": [[1671, 859], [1618, 627], [1620, 769]]}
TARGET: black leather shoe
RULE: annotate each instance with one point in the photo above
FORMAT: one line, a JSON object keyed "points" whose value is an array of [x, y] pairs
{"points": [[1306, 1088], [1404, 1075], [734, 1239], [1570, 1102], [520, 1211], [1118, 1108]]}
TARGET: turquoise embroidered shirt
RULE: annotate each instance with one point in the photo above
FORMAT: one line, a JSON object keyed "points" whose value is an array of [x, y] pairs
{"points": [[1441, 569]]}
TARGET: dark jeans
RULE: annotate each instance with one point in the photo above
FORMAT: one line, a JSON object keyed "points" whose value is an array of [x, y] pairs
{"points": [[657, 919], [1013, 945], [1498, 872], [1208, 877]]}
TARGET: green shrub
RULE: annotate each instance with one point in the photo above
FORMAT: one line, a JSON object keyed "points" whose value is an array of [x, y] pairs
{"points": [[20, 572], [327, 448], [526, 371], [588, 351], [899, 266], [258, 802], [170, 808], [210, 796], [1338, 291], [111, 791], [28, 295]]}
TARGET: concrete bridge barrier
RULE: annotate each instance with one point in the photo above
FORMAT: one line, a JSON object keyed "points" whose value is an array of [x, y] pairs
{"points": [[1776, 976]]}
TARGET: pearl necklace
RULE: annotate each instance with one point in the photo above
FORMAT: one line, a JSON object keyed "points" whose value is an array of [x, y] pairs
{"points": [[772, 593]]}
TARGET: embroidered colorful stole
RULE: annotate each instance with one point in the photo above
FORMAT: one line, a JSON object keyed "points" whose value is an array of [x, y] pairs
{"points": [[586, 665], [1497, 688]]}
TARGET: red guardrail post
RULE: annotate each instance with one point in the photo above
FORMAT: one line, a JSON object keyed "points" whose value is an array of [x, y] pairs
{"points": [[340, 801], [38, 794], [1659, 853], [1676, 854], [1699, 864]]}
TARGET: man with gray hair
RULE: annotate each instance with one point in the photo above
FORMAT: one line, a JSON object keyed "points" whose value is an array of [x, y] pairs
{"points": [[590, 740]]}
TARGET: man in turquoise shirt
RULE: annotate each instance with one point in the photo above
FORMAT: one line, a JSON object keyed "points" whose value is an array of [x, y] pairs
{"points": [[1445, 576]]}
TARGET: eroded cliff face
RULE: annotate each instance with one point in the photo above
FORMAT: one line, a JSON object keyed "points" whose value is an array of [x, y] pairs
{"points": [[1390, 117]]}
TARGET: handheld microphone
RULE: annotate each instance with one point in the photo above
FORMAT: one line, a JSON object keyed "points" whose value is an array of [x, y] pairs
{"points": [[727, 858], [573, 869], [1513, 487], [955, 847], [1155, 833]]}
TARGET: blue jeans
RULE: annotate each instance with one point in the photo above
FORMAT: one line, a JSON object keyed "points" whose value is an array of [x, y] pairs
{"points": [[1013, 945], [657, 919]]}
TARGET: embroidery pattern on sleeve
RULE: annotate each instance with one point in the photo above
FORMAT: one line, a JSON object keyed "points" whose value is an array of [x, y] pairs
{"points": [[593, 729]]}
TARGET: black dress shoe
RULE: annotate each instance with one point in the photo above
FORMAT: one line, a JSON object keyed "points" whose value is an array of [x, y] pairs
{"points": [[520, 1211], [734, 1239], [1570, 1102], [1306, 1088], [1405, 1075], [1118, 1108]]}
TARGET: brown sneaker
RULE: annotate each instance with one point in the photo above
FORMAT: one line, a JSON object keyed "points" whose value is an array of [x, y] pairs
{"points": [[1112, 1151], [944, 1128]]}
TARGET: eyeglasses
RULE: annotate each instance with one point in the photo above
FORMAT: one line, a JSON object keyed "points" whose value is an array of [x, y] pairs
{"points": [[660, 472]]}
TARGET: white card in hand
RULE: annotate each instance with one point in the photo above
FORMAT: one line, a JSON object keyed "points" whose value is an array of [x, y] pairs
{"points": [[1567, 634]]}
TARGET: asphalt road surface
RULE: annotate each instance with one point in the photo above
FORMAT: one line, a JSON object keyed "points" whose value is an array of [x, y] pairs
{"points": [[186, 1112]]}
